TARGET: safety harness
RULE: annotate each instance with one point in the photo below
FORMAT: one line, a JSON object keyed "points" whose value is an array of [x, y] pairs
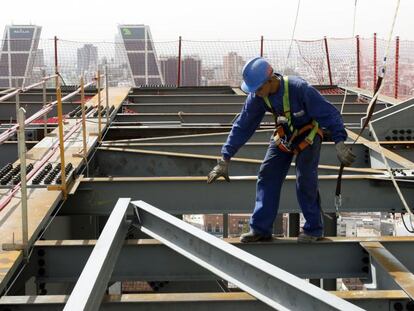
{"points": [[293, 144]]}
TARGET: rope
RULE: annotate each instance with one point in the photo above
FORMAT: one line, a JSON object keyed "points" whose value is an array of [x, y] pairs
{"points": [[370, 109], [293, 36], [349, 63], [387, 166]]}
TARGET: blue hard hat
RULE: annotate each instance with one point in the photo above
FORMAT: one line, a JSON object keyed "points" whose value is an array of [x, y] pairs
{"points": [[255, 73]]}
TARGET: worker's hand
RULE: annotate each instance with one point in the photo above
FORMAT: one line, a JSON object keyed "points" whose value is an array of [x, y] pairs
{"points": [[220, 170], [344, 154]]}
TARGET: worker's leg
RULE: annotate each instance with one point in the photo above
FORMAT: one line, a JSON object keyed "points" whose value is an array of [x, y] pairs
{"points": [[307, 187], [272, 173]]}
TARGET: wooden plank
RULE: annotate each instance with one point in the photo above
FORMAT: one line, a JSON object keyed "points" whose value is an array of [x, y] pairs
{"points": [[400, 274], [387, 239], [193, 297], [41, 202], [263, 144], [202, 178]]}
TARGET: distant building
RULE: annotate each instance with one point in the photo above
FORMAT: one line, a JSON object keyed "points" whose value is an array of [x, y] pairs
{"points": [[39, 59], [87, 60], [140, 53], [17, 54], [232, 67], [169, 69], [213, 223], [190, 70]]}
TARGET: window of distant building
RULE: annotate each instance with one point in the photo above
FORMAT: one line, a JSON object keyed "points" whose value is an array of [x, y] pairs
{"points": [[217, 228], [209, 228]]}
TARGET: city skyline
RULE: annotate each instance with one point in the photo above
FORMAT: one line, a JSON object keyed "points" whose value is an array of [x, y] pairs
{"points": [[136, 60]]}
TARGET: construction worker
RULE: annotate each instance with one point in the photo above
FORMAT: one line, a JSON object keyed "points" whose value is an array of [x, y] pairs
{"points": [[300, 112]]}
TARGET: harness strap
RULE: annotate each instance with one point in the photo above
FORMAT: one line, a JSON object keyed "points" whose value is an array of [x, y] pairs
{"points": [[314, 126], [286, 104]]}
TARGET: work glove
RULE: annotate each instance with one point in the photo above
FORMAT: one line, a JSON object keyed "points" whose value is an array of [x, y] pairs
{"points": [[220, 170], [344, 154]]}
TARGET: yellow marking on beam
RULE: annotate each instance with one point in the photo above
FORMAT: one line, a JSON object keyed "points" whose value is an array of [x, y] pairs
{"points": [[193, 297], [326, 240], [202, 178]]}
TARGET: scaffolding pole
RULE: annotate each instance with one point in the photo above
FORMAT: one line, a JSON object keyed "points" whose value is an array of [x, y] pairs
{"points": [[23, 184]]}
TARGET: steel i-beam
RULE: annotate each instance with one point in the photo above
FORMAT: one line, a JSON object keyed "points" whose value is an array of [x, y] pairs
{"points": [[274, 286], [91, 286]]}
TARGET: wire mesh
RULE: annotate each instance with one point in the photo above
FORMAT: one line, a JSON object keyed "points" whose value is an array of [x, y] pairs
{"points": [[204, 63]]}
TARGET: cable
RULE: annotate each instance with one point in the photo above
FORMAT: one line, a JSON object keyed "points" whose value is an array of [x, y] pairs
{"points": [[370, 109], [387, 166], [411, 222], [291, 39], [349, 63]]}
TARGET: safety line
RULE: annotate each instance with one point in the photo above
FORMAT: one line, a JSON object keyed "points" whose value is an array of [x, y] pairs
{"points": [[387, 166], [291, 39], [370, 109]]}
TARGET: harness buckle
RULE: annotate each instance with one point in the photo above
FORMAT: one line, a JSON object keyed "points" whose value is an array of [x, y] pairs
{"points": [[282, 143], [309, 141], [282, 120]]}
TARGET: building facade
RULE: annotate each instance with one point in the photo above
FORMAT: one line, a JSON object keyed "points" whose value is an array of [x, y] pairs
{"points": [[142, 61], [17, 54]]}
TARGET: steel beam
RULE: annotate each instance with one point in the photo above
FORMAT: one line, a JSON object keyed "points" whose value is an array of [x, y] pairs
{"points": [[218, 117], [397, 271], [91, 286], [391, 109], [174, 136], [128, 132], [225, 107], [117, 162], [257, 150], [214, 98], [123, 161], [270, 284], [396, 125], [185, 90], [188, 98], [149, 260], [368, 300], [192, 195]]}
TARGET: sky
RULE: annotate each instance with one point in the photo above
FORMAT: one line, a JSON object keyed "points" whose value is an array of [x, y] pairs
{"points": [[95, 21]]}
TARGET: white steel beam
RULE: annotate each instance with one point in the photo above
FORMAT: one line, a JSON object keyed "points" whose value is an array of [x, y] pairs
{"points": [[270, 284], [92, 283]]}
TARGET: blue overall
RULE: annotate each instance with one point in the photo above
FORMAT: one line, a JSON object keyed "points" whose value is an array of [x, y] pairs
{"points": [[306, 104]]}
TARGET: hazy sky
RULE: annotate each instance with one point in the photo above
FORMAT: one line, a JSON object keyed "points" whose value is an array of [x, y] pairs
{"points": [[93, 20]]}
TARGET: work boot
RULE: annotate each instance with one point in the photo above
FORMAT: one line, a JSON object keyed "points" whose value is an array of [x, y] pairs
{"points": [[306, 238], [252, 236]]}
